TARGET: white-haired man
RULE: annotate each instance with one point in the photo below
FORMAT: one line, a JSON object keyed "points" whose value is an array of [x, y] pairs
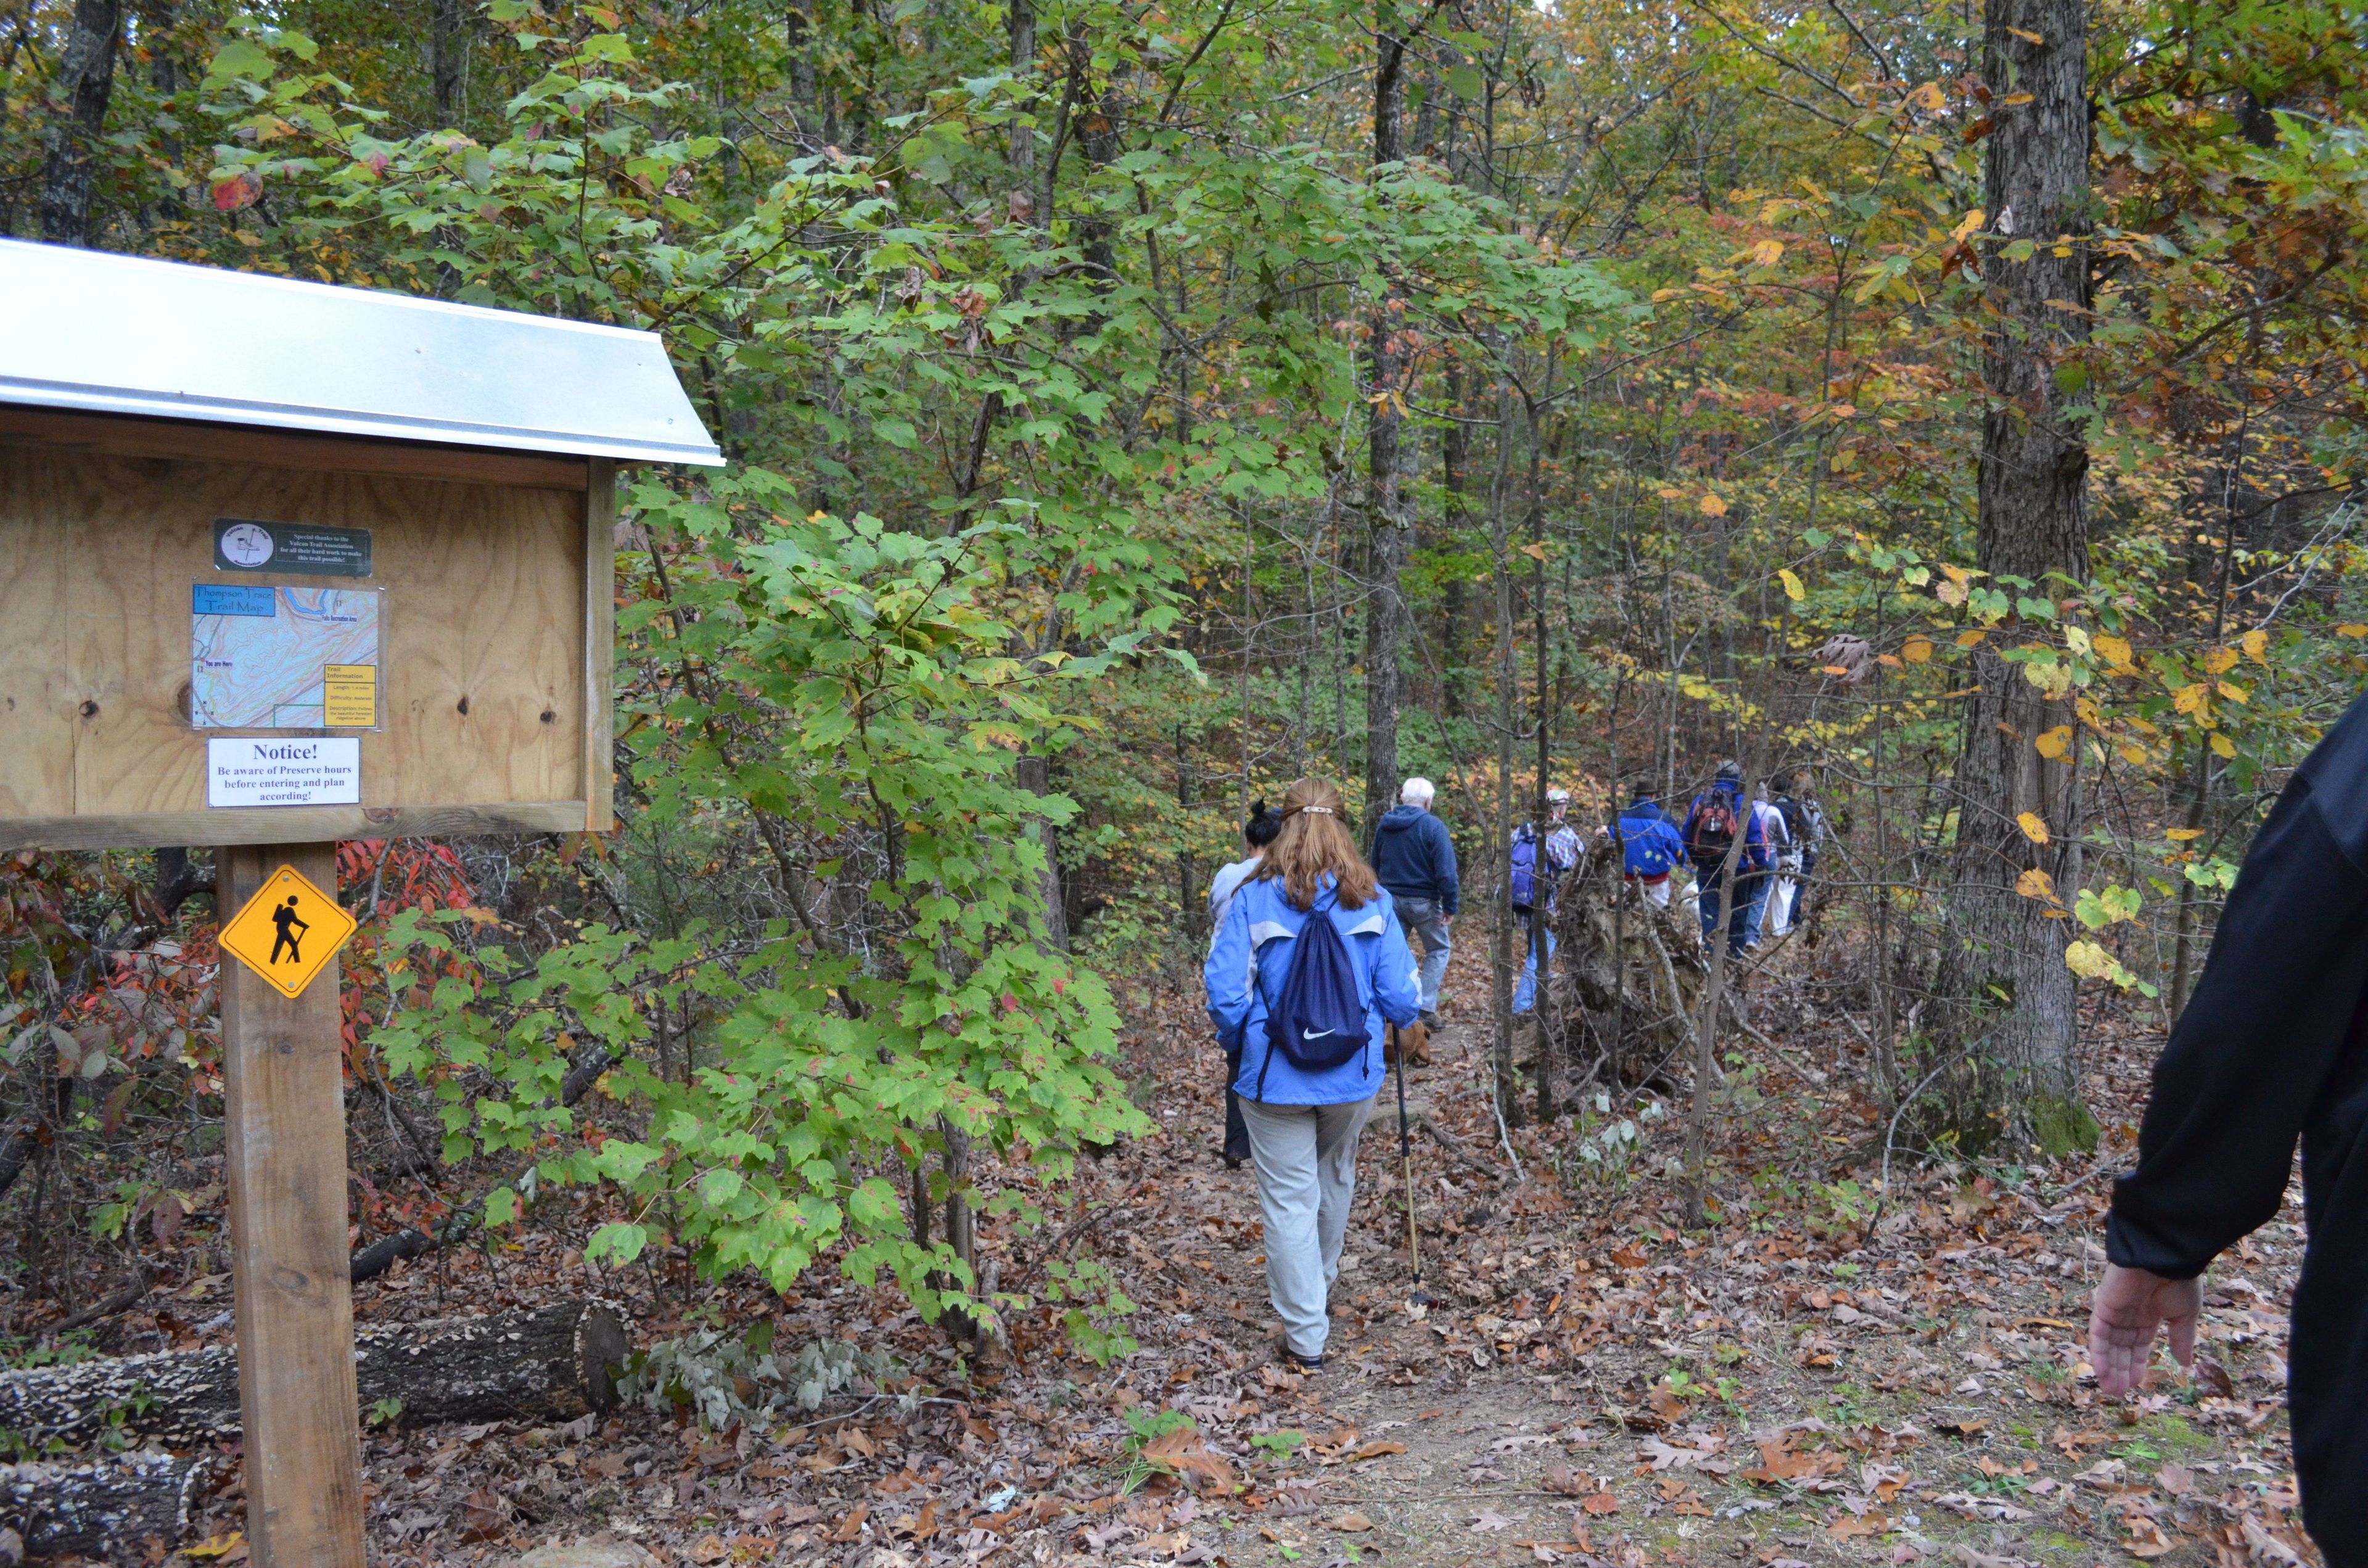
{"points": [[1415, 860]]}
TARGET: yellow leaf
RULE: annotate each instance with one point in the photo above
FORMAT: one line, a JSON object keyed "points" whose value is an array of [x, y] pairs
{"points": [[1950, 593], [2257, 646], [1969, 638], [2135, 756], [1793, 589], [2088, 960], [2220, 660], [1711, 506], [2224, 745], [2035, 883], [2193, 697], [1534, 551], [1916, 650], [1928, 97], [2234, 693], [2352, 629], [1966, 225], [1767, 253], [2033, 825], [2029, 38], [2015, 100], [2116, 650], [2076, 639], [2055, 743], [1667, 493], [216, 1547]]}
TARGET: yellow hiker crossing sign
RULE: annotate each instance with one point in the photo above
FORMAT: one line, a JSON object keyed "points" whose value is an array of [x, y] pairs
{"points": [[288, 931]]}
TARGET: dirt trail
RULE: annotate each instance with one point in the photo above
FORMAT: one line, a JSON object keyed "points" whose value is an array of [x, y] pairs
{"points": [[1812, 1378]]}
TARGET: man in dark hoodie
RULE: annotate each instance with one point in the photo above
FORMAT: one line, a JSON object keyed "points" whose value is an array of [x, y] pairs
{"points": [[1415, 860], [2273, 1048]]}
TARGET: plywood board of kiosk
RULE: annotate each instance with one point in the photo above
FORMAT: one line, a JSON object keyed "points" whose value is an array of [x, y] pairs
{"points": [[494, 643]]}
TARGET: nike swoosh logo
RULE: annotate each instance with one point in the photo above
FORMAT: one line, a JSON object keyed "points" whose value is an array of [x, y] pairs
{"points": [[1315, 1034]]}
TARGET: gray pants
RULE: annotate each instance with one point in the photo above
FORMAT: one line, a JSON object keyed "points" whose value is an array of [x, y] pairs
{"points": [[1420, 917], [1306, 1159]]}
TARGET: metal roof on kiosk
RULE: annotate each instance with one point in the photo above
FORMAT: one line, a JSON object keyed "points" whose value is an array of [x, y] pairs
{"points": [[112, 334]]}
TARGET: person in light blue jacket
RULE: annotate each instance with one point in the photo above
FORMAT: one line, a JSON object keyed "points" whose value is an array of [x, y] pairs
{"points": [[1303, 1126]]}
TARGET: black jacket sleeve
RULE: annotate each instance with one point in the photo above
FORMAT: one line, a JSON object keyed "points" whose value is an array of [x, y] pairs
{"points": [[2273, 1013]]}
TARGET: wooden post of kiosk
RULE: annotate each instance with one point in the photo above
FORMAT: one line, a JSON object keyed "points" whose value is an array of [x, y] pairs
{"points": [[283, 565], [284, 1152]]}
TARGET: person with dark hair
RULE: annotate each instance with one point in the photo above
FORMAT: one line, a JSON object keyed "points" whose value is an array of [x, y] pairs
{"points": [[1805, 826], [1257, 834], [1311, 938]]}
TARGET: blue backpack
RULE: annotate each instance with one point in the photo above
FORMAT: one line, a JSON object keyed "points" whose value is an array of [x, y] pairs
{"points": [[1319, 1021], [1525, 868]]}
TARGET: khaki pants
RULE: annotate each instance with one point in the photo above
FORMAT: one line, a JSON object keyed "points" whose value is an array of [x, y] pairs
{"points": [[1306, 1159]]}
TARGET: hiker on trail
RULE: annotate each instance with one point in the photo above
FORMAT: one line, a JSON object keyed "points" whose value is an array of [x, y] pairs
{"points": [[1257, 834], [1561, 855], [1718, 815], [1649, 845], [1804, 827], [2273, 1047], [1778, 836], [1307, 970], [1415, 859]]}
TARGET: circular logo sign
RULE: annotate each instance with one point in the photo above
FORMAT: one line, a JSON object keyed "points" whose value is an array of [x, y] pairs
{"points": [[246, 544]]}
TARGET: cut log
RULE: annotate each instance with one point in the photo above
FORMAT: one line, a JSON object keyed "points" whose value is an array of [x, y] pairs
{"points": [[107, 1509], [556, 1361]]}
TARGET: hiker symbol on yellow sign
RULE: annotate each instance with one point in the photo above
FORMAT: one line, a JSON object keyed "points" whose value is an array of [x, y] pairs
{"points": [[288, 931]]}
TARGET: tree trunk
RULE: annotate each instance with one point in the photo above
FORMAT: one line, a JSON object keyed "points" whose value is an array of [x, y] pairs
{"points": [[1020, 21], [107, 1509], [78, 96], [447, 41], [1389, 527], [553, 1361], [2011, 1000], [1501, 965], [1035, 776]]}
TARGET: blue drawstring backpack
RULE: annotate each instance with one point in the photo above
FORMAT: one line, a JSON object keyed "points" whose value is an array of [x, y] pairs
{"points": [[1319, 1023]]}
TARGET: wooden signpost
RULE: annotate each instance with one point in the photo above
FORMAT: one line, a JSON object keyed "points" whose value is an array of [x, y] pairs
{"points": [[281, 565]]}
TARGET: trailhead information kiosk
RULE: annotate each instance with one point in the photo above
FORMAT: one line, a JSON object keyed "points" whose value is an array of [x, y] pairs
{"points": [[283, 563]]}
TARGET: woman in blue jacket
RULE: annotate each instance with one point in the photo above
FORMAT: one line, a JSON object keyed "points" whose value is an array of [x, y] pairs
{"points": [[1304, 1125]]}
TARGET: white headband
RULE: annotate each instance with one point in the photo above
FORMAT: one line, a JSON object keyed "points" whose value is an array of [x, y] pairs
{"points": [[1317, 810]]}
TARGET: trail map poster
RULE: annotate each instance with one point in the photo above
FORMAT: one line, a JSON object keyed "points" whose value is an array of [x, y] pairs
{"points": [[284, 658]]}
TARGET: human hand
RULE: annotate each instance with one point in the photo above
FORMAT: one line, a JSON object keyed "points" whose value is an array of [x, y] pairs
{"points": [[2130, 1303]]}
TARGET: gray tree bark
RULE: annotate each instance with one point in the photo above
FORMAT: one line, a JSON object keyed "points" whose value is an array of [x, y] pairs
{"points": [[2012, 1002], [107, 1509], [448, 43], [1388, 521], [78, 96], [552, 1361]]}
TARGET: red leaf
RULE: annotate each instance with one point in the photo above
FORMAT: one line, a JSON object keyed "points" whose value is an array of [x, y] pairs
{"points": [[239, 190]]}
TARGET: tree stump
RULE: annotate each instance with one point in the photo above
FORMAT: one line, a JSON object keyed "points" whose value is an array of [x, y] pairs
{"points": [[1623, 957]]}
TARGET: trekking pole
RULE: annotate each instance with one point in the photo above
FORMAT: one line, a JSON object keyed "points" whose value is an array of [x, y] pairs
{"points": [[1406, 1152]]}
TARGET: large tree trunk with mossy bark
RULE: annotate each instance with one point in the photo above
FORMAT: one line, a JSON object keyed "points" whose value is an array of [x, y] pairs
{"points": [[2010, 1024]]}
